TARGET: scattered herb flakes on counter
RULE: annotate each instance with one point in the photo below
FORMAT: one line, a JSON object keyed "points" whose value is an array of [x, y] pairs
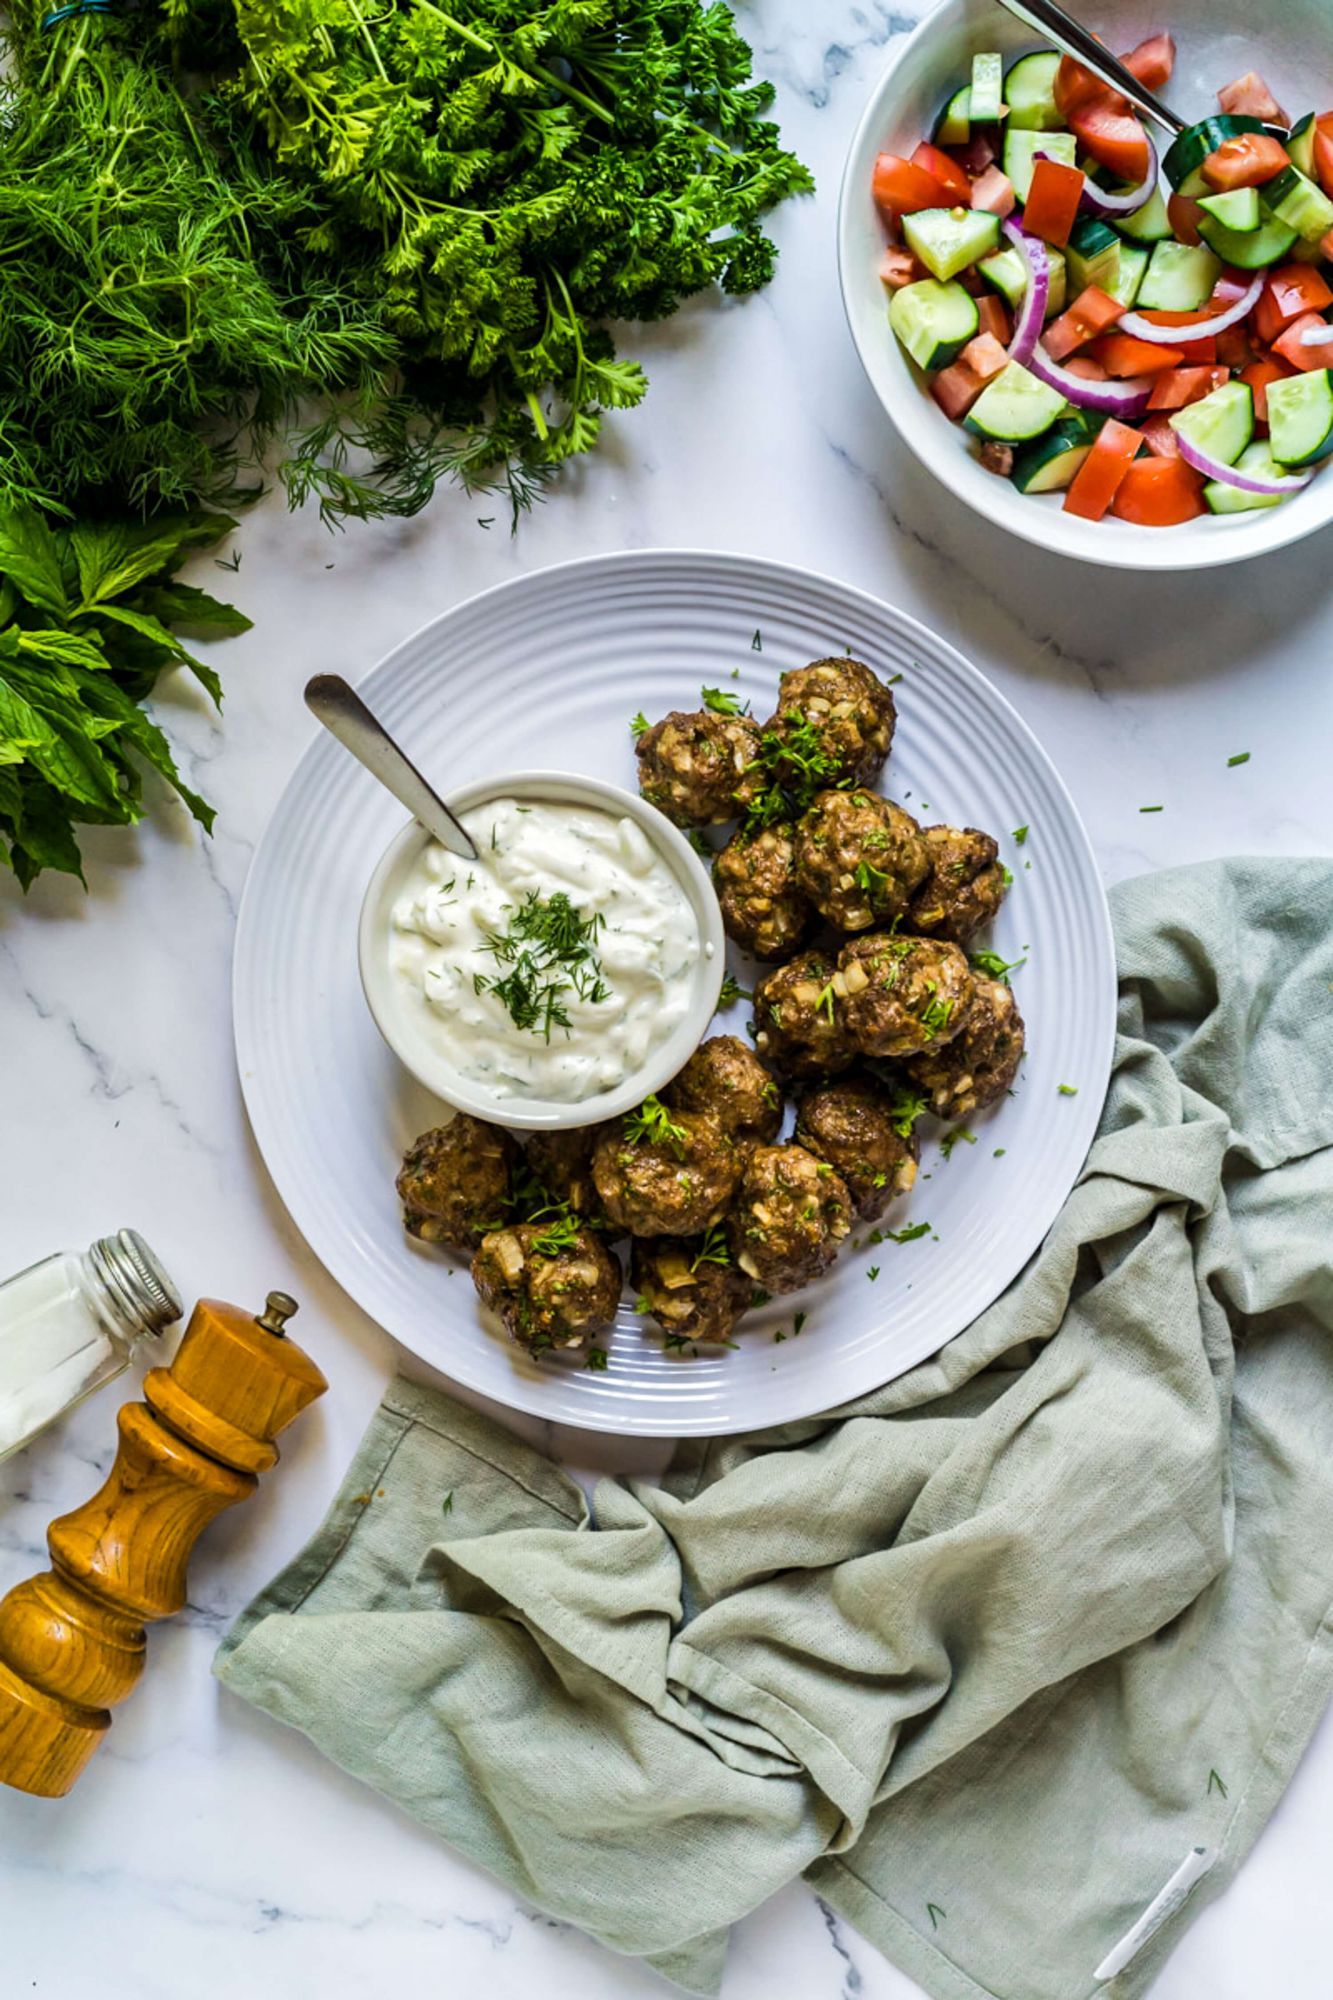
{"points": [[88, 620]]}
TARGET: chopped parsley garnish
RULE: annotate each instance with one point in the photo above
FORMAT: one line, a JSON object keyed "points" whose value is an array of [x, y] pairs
{"points": [[639, 726], [722, 703], [550, 951], [713, 1249], [798, 1322], [959, 1136], [732, 991], [1241, 757], [652, 1122], [870, 878], [597, 1358], [700, 843], [796, 768], [935, 1015], [1151, 809], [911, 1234], [998, 1154], [1007, 874], [994, 966], [1019, 835], [560, 1233], [1069, 1090]]}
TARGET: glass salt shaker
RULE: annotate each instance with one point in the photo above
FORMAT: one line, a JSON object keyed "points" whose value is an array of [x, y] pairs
{"points": [[71, 1323]]}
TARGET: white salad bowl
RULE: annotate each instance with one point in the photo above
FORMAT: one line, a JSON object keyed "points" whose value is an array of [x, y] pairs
{"points": [[1289, 45], [403, 1033]]}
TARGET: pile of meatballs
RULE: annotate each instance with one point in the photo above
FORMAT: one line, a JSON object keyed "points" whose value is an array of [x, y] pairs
{"points": [[872, 1010]]}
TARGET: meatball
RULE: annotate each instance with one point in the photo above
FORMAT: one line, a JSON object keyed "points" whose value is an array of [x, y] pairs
{"points": [[560, 1174], [858, 858], [690, 1286], [455, 1182], [726, 1078], [698, 769], [904, 994], [800, 1018], [790, 1216], [838, 710], [665, 1173], [755, 879], [963, 887], [553, 1284], [979, 1064], [852, 1126]]}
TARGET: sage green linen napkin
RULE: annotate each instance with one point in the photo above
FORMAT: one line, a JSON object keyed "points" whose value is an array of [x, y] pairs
{"points": [[988, 1654]]}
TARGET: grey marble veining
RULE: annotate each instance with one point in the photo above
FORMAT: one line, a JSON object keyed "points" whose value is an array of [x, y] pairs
{"points": [[207, 1850]]}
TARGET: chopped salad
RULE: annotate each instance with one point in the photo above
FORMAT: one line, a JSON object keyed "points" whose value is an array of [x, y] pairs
{"points": [[1150, 338]]}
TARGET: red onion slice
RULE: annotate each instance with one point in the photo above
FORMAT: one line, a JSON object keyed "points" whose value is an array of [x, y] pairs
{"points": [[1031, 315], [1129, 200], [1127, 400], [1167, 336], [1228, 475]]}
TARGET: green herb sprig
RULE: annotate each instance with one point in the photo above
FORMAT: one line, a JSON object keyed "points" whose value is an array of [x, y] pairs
{"points": [[550, 950]]}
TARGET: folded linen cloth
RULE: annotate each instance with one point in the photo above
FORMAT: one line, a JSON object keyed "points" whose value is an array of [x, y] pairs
{"points": [[993, 1655]]}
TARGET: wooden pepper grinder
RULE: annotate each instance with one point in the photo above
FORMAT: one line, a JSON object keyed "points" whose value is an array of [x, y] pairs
{"points": [[72, 1640]]}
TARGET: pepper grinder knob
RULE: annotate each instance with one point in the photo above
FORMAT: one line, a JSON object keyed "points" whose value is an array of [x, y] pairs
{"points": [[72, 1640]]}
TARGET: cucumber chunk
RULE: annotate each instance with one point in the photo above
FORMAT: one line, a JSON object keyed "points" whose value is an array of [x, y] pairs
{"points": [[954, 126], [987, 89], [1134, 259], [1029, 91], [1015, 407], [1293, 199], [1238, 210], [1300, 146], [1185, 158], [1057, 281], [1221, 424], [1049, 465], [1149, 224], [934, 322], [1179, 278], [1258, 459], [1007, 272], [1093, 252], [1300, 418], [1021, 150], [1249, 249], [947, 240]]}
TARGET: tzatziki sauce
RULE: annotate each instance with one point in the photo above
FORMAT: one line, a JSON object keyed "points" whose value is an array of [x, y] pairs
{"points": [[557, 962]]}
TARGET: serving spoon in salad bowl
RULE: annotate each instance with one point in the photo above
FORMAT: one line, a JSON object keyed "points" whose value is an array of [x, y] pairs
{"points": [[1073, 39]]}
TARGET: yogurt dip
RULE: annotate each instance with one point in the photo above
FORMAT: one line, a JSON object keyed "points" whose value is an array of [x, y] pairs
{"points": [[554, 965]]}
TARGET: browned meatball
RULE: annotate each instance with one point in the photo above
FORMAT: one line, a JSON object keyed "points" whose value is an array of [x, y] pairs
{"points": [[964, 886], [978, 1065], [838, 713], [755, 879], [690, 1286], [904, 994], [853, 1125], [790, 1216], [553, 1284], [665, 1173], [698, 768], [800, 1024], [454, 1182], [560, 1173], [725, 1077], [858, 858]]}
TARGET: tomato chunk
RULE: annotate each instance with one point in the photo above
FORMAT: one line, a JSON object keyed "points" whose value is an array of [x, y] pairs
{"points": [[1250, 97], [944, 170], [993, 315], [1152, 61], [1289, 291], [898, 267], [957, 387], [902, 188], [1114, 138], [1052, 204], [994, 192], [1159, 437], [1184, 213], [1176, 387], [1098, 479], [1259, 375], [1093, 311], [1159, 493], [1291, 347], [1076, 87], [1246, 161], [1122, 355]]}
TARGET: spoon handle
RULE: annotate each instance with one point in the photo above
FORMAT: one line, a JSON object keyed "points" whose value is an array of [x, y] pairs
{"points": [[344, 714], [1076, 41]]}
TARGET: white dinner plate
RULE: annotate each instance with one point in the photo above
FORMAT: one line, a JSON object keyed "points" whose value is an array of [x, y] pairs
{"points": [[548, 670]]}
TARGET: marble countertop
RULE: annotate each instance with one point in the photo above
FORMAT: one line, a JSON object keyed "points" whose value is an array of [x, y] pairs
{"points": [[207, 1849]]}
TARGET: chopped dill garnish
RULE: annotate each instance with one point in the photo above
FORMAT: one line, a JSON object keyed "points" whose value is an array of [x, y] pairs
{"points": [[1241, 757], [959, 1136], [597, 1358], [1069, 1090], [911, 1234], [713, 1249], [994, 966], [732, 991], [550, 952], [722, 703], [639, 725], [935, 1015], [560, 1233]]}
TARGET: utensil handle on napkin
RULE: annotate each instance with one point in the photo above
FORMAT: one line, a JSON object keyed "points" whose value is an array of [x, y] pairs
{"points": [[1075, 40]]}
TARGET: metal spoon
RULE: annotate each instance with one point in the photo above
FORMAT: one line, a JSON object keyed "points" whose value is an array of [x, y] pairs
{"points": [[1076, 41], [344, 714]]}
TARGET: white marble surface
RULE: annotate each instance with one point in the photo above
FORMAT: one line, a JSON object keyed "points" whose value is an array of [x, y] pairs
{"points": [[207, 1849]]}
